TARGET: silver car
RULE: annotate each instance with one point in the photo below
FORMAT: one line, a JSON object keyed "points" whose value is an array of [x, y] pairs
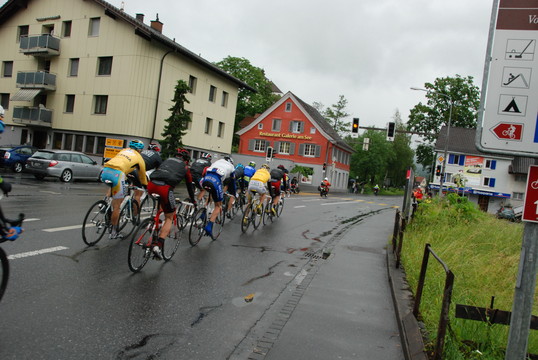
{"points": [[63, 164]]}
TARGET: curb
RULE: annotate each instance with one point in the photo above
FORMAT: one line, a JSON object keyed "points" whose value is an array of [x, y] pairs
{"points": [[410, 335]]}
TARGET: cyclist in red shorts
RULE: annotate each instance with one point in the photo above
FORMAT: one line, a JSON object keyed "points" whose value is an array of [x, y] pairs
{"points": [[277, 179], [162, 182]]}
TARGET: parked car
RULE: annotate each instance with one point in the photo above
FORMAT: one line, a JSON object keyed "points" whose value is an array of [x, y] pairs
{"points": [[15, 156], [509, 213], [63, 164]]}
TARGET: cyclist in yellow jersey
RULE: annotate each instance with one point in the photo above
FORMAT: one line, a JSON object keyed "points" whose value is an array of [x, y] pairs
{"points": [[258, 182], [115, 170]]}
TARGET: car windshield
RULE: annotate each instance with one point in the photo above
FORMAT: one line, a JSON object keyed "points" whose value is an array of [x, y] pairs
{"points": [[43, 155]]}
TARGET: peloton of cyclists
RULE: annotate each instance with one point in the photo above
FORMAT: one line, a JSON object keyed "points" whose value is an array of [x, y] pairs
{"points": [[163, 182], [152, 159], [258, 183], [116, 170], [198, 169]]}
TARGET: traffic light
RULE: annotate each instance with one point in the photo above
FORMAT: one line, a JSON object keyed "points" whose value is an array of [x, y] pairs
{"points": [[269, 154], [391, 129], [438, 170], [355, 126], [324, 166]]}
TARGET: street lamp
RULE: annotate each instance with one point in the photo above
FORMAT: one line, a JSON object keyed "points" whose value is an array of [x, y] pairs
{"points": [[441, 180]]}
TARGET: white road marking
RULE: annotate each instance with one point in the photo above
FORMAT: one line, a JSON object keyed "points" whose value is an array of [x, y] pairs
{"points": [[50, 192], [37, 252], [338, 203], [299, 206], [31, 219], [64, 228]]}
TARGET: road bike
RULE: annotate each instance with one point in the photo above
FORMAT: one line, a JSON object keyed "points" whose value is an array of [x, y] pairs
{"points": [[146, 235], [98, 219], [229, 211], [241, 202], [268, 215], [199, 221], [4, 263], [253, 213], [185, 213]]}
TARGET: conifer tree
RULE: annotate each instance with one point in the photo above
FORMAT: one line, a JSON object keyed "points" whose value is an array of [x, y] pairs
{"points": [[177, 123]]}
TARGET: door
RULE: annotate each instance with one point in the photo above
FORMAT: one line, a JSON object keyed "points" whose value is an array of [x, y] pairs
{"points": [[483, 202], [39, 139]]}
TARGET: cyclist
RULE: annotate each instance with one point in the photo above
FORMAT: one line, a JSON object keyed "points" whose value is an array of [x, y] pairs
{"points": [[249, 170], [325, 184], [152, 159], [277, 179], [239, 174], [285, 183], [163, 182], [115, 170], [258, 183], [198, 170], [214, 180]]}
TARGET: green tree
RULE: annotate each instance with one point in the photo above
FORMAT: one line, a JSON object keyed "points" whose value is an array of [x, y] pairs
{"points": [[403, 158], [248, 103], [335, 115], [371, 165], [178, 121], [461, 93]]}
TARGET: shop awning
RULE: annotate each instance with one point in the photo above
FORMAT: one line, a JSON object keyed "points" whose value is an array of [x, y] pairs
{"points": [[25, 95]]}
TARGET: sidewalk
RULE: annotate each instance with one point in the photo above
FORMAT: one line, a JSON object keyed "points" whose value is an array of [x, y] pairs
{"points": [[348, 306]]}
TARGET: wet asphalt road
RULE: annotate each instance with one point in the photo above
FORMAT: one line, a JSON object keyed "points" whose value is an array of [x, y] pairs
{"points": [[66, 300]]}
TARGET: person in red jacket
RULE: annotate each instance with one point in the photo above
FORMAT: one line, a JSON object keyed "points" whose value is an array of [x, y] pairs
{"points": [[326, 184]]}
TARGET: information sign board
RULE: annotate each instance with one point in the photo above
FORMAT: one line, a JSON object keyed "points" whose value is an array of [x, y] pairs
{"points": [[530, 205]]}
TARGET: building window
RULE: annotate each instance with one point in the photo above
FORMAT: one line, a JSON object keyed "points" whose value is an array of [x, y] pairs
{"points": [[296, 126], [94, 26], [491, 164], [276, 125], [224, 102], [288, 107], [4, 100], [456, 159], [312, 130], [105, 66], [73, 67], [189, 123], [284, 148], [489, 182], [259, 145], [260, 126], [212, 93], [79, 141], [208, 124], [23, 30], [101, 140], [90, 143], [518, 196], [521, 178], [7, 69], [220, 132], [100, 104], [66, 28], [192, 84], [68, 143], [57, 140], [310, 150], [69, 103]]}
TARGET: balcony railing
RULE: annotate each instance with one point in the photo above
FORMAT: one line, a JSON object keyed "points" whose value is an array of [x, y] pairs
{"points": [[38, 116], [40, 45], [36, 80]]}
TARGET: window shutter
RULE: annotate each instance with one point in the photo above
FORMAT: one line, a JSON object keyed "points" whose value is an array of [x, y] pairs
{"points": [[267, 144], [462, 160], [318, 150], [290, 129], [301, 150], [251, 144], [493, 164], [492, 182], [292, 148], [451, 158], [276, 147], [302, 127]]}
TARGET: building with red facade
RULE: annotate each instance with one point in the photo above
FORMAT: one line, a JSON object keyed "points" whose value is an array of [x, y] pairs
{"points": [[299, 135]]}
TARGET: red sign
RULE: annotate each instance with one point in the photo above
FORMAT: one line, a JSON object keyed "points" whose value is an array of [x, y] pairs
{"points": [[508, 131], [530, 206]]}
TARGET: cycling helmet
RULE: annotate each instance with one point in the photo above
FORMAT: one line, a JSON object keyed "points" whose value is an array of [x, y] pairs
{"points": [[326, 179], [281, 167], [265, 166], [206, 156], [183, 153], [154, 147], [136, 144], [239, 166], [229, 159], [252, 163]]}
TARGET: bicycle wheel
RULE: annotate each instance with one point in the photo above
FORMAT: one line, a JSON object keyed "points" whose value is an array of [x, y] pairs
{"points": [[171, 243], [246, 219], [267, 214], [196, 230], [147, 206], [279, 207], [95, 223], [139, 251], [257, 214], [4, 272], [217, 225], [130, 213]]}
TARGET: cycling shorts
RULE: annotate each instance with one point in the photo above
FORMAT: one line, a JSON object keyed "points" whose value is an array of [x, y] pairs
{"points": [[257, 186], [274, 188], [119, 184], [167, 198], [213, 181]]}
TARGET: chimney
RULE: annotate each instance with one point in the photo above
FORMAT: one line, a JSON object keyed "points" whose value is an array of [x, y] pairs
{"points": [[140, 17], [157, 25]]}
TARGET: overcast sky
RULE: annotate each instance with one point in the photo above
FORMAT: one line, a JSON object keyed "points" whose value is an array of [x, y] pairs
{"points": [[370, 51]]}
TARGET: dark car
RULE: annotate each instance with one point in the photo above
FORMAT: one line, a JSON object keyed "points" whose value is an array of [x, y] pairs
{"points": [[63, 164], [15, 156]]}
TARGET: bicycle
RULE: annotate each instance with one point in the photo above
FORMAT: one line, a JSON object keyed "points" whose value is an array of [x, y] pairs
{"points": [[268, 214], [4, 263], [185, 213], [199, 221], [145, 238], [241, 202], [98, 219], [229, 212], [253, 213]]}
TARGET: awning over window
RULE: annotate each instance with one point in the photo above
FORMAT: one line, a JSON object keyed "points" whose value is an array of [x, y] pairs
{"points": [[25, 95]]}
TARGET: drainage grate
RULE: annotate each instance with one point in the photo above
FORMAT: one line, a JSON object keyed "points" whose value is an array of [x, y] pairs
{"points": [[314, 255]]}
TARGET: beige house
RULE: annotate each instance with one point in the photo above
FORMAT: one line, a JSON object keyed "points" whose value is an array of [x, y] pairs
{"points": [[75, 73]]}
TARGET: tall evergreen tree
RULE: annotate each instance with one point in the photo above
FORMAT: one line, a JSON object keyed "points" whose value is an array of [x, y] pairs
{"points": [[178, 121]]}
